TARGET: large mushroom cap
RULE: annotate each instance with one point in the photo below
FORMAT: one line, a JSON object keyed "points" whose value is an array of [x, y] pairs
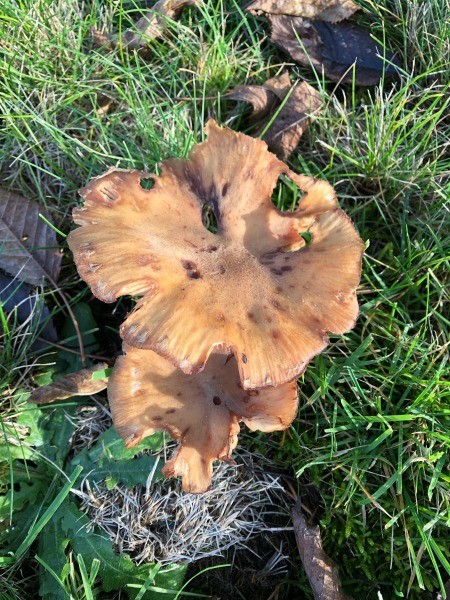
{"points": [[255, 288], [202, 411]]}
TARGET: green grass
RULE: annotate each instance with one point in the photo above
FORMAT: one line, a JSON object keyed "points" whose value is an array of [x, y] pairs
{"points": [[373, 431]]}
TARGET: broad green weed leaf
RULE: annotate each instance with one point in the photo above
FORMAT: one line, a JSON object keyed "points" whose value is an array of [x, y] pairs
{"points": [[111, 461], [20, 435], [52, 546], [116, 570], [58, 431], [167, 578], [69, 362]]}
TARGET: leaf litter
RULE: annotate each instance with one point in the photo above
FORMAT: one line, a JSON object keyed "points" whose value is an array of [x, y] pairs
{"points": [[333, 47], [28, 247], [151, 26], [281, 109], [322, 572], [80, 383], [326, 10]]}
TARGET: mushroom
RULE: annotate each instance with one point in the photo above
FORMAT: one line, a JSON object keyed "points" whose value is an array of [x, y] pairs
{"points": [[202, 411], [258, 288]]}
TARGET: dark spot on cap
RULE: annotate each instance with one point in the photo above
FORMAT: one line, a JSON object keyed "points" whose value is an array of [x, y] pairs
{"points": [[225, 188], [179, 394], [276, 271], [246, 399], [191, 269], [276, 304], [157, 418], [217, 401], [292, 286], [286, 268], [279, 289], [251, 316], [275, 334], [170, 411], [244, 359], [183, 433], [287, 258], [221, 269], [210, 248]]}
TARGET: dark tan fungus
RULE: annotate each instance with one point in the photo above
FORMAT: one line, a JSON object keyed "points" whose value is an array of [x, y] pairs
{"points": [[202, 292], [145, 395]]}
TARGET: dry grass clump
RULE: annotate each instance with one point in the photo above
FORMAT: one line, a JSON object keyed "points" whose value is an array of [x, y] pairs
{"points": [[161, 523], [158, 522]]}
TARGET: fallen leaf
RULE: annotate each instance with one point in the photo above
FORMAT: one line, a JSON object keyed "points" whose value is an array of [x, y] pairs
{"points": [[80, 383], [333, 47], [322, 572], [17, 296], [297, 103], [28, 247], [325, 10], [263, 101], [151, 25]]}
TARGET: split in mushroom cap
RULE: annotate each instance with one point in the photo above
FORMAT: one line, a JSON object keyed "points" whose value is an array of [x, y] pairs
{"points": [[255, 288], [202, 411]]}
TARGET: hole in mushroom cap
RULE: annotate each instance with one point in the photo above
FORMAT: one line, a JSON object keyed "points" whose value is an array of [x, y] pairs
{"points": [[286, 194], [147, 183], [307, 236], [217, 401], [209, 218]]}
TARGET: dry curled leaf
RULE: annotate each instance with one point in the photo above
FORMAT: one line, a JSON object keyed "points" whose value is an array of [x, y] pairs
{"points": [[298, 102], [256, 289], [322, 572], [150, 26], [28, 247], [79, 383], [147, 393], [325, 10], [333, 47]]}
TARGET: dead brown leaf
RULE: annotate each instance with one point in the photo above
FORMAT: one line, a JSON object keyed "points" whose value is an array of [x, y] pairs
{"points": [[28, 247], [325, 10], [322, 572], [333, 48], [151, 25], [297, 103], [79, 383]]}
